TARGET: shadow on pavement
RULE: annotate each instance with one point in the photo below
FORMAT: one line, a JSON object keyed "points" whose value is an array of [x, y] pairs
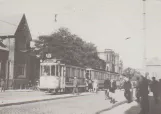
{"points": [[154, 108], [111, 107], [133, 110]]}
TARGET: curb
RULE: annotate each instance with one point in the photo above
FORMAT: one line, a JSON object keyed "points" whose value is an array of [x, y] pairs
{"points": [[111, 107], [40, 100]]}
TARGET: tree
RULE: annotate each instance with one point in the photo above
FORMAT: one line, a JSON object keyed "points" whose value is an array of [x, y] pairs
{"points": [[130, 73], [70, 48]]}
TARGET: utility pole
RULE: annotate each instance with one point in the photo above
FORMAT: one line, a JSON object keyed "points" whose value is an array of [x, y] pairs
{"points": [[144, 35]]}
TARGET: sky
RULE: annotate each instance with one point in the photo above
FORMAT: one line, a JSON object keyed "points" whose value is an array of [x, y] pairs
{"points": [[106, 23]]}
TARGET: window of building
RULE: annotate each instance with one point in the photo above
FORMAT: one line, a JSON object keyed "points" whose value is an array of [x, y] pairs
{"points": [[21, 70]]}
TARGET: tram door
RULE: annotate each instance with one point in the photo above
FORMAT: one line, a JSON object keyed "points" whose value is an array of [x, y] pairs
{"points": [[62, 75]]}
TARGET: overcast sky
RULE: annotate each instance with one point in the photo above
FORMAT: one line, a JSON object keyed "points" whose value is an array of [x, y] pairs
{"points": [[106, 23]]}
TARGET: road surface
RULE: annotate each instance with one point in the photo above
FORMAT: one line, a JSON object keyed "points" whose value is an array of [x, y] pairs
{"points": [[77, 105]]}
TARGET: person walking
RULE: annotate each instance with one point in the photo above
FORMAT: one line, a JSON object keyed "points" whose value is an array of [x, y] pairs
{"points": [[75, 86], [95, 85], [86, 82], [107, 86], [154, 88], [90, 85], [144, 91], [2, 85], [127, 90]]}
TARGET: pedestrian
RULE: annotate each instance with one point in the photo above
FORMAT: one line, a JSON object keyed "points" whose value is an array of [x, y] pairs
{"points": [[107, 85], [155, 89], [86, 81], [95, 85], [75, 86], [159, 89], [90, 86], [127, 90], [2, 85], [113, 87], [144, 102], [137, 91]]}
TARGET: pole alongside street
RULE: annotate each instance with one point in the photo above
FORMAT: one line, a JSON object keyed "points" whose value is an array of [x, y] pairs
{"points": [[144, 35]]}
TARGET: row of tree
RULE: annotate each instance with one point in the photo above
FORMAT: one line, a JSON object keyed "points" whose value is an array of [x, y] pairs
{"points": [[70, 48]]}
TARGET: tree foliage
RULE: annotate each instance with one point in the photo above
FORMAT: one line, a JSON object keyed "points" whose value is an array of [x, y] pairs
{"points": [[130, 73], [70, 48]]}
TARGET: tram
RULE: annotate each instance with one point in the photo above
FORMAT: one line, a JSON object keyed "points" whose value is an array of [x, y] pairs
{"points": [[52, 75], [58, 77]]}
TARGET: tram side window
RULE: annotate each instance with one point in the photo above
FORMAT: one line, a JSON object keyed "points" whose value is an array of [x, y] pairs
{"points": [[57, 70], [87, 74], [79, 73], [53, 70], [60, 70]]}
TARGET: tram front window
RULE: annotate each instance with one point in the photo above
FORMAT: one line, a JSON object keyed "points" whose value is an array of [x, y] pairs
{"points": [[46, 70]]}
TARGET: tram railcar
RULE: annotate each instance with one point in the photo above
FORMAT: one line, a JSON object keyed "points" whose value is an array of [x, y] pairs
{"points": [[52, 75], [55, 76]]}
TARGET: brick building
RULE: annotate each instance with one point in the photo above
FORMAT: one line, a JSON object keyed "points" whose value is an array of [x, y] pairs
{"points": [[17, 66]]}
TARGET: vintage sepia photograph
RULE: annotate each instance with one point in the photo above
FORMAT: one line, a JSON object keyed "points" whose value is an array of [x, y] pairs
{"points": [[80, 56]]}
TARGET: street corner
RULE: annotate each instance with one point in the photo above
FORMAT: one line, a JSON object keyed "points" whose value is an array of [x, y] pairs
{"points": [[125, 108]]}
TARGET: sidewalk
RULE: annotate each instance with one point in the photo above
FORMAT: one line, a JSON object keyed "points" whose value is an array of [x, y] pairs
{"points": [[16, 97]]}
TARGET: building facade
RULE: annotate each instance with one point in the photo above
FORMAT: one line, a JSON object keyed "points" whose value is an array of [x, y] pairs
{"points": [[153, 67], [112, 59], [17, 64]]}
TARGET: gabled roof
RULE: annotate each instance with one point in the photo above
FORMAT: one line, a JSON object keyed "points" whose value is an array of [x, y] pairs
{"points": [[9, 24]]}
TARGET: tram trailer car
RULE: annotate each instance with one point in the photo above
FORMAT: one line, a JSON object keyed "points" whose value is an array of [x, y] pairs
{"points": [[57, 77], [99, 75], [74, 71]]}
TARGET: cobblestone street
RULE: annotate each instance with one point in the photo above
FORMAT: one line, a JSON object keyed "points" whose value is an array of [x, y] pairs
{"points": [[77, 105]]}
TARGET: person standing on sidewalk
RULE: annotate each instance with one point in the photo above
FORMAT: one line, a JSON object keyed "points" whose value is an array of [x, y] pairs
{"points": [[2, 85], [112, 91], [154, 88], [159, 90], [75, 86], [107, 86], [144, 91], [127, 88], [137, 93]]}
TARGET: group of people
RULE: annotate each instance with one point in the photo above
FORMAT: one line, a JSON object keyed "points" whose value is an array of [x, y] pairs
{"points": [[110, 87], [143, 88], [92, 85]]}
